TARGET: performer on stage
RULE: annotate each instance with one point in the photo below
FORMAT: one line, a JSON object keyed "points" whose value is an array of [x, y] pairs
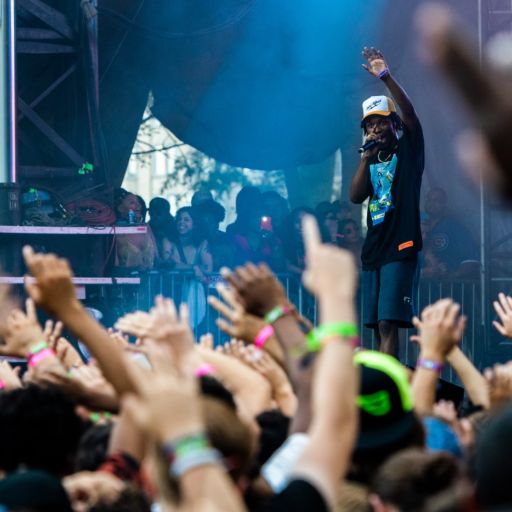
{"points": [[389, 174]]}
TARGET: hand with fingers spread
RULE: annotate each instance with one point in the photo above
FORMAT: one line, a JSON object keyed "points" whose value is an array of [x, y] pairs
{"points": [[257, 287], [503, 308], [22, 332], [376, 65], [53, 288], [169, 326], [440, 329], [237, 323]]}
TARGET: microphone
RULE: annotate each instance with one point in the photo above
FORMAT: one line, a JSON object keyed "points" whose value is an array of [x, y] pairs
{"points": [[368, 145]]}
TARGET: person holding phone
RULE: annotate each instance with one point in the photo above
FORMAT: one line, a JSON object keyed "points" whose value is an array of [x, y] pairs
{"points": [[389, 175]]}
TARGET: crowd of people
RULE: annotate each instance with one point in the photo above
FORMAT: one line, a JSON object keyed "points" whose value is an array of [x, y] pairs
{"points": [[267, 230], [284, 416]]}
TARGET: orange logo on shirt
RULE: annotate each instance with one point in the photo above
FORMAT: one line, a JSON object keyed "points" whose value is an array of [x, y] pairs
{"points": [[406, 245]]}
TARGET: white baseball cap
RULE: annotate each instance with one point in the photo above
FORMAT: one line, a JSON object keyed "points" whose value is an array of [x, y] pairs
{"points": [[378, 106]]}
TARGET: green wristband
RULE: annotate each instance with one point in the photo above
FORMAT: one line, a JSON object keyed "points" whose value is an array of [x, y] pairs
{"points": [[316, 337], [275, 314], [38, 347], [186, 445]]}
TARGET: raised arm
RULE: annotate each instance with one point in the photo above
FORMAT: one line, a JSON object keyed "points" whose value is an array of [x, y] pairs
{"points": [[439, 331], [53, 290], [378, 67], [331, 275]]}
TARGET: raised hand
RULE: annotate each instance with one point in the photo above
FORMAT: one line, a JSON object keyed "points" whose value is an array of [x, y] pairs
{"points": [[160, 394], [238, 324], [22, 332], [484, 89], [258, 289], [171, 327], [52, 331], [503, 308], [53, 287], [440, 329], [376, 63]]}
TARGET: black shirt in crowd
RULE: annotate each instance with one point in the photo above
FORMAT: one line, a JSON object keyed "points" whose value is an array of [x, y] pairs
{"points": [[394, 183]]}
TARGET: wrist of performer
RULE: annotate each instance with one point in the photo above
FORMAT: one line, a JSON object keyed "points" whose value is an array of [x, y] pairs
{"points": [[383, 74]]}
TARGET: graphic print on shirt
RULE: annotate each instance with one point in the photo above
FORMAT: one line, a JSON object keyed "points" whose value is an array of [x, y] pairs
{"points": [[382, 175]]}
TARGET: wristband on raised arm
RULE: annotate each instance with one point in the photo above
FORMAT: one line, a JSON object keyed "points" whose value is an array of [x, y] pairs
{"points": [[429, 364], [383, 74], [318, 337], [276, 313], [188, 453], [263, 335]]}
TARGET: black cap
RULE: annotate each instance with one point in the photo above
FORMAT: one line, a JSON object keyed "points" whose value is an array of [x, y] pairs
{"points": [[385, 401]]}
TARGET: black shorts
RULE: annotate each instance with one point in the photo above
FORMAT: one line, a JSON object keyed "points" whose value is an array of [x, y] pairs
{"points": [[390, 293]]}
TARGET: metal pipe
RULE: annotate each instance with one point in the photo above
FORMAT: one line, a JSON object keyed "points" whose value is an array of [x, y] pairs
{"points": [[8, 154]]}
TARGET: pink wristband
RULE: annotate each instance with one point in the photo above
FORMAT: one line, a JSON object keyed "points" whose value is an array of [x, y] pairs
{"points": [[35, 359], [263, 336], [204, 370], [3, 385]]}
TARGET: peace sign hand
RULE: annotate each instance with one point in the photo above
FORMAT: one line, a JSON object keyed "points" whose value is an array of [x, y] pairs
{"points": [[376, 63]]}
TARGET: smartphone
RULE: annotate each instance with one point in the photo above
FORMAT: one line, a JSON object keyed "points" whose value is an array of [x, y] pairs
{"points": [[266, 223]]}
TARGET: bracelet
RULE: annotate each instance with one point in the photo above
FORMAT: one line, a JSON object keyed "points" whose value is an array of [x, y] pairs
{"points": [[429, 364], [194, 460], [35, 359], [383, 74], [204, 370], [262, 337], [184, 445], [38, 347], [3, 384], [316, 338], [276, 313], [189, 452]]}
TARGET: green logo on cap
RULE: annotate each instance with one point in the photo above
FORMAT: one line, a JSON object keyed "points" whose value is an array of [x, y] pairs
{"points": [[378, 404]]}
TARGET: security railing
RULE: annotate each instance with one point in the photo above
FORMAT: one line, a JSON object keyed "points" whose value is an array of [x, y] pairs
{"points": [[184, 287]]}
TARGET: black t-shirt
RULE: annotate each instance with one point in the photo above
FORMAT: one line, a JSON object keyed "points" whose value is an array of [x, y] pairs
{"points": [[393, 219], [298, 496]]}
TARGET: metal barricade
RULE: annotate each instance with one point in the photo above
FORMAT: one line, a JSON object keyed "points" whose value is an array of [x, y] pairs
{"points": [[175, 284]]}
